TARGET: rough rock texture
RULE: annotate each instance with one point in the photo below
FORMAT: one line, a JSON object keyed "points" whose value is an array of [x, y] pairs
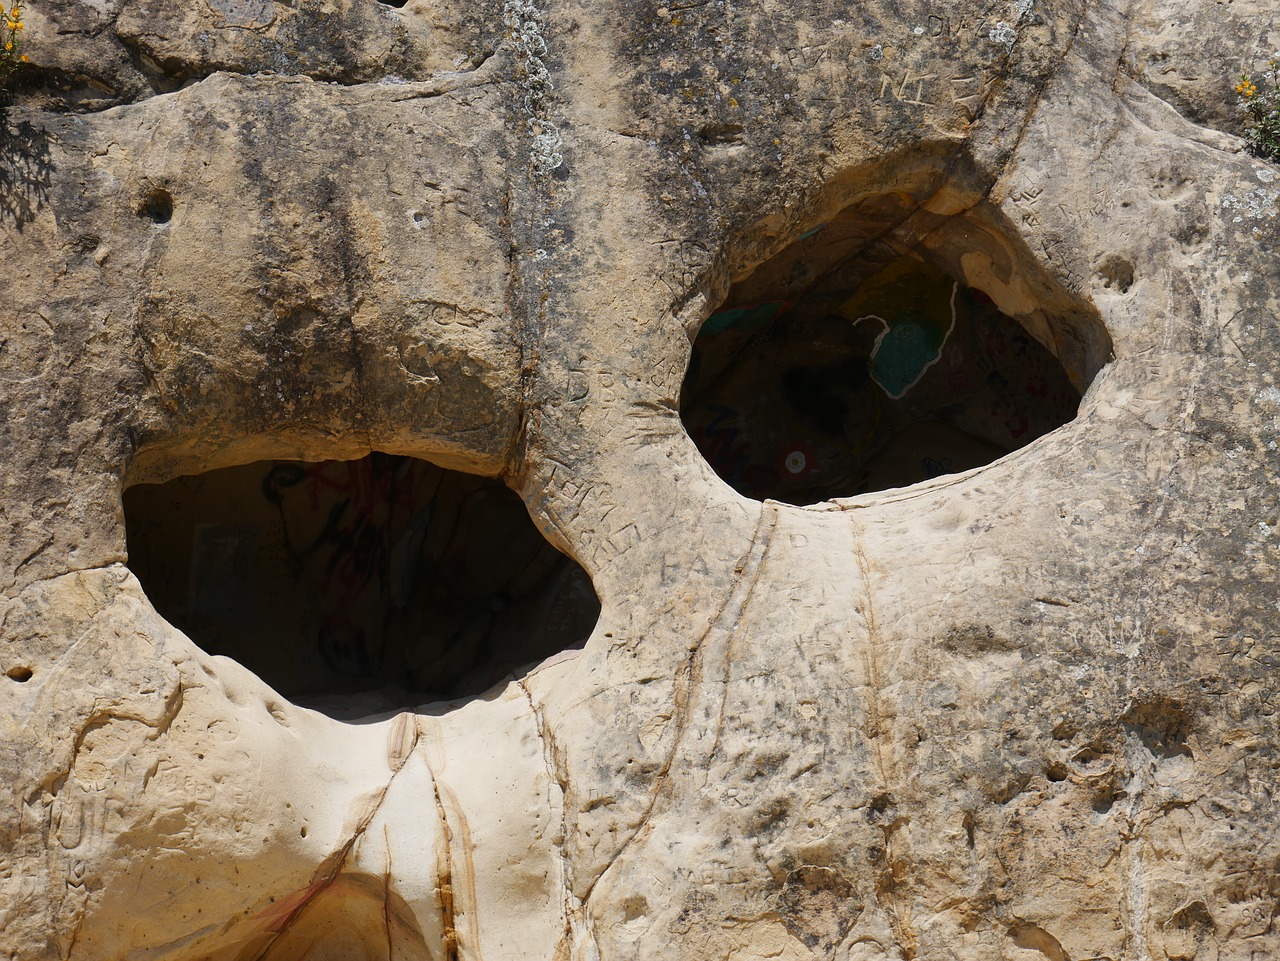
{"points": [[1026, 712]]}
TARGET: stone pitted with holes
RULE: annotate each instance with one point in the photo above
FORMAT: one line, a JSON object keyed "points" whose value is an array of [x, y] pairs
{"points": [[1025, 711]]}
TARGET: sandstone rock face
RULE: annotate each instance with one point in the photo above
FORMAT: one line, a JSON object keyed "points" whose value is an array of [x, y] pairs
{"points": [[1026, 711]]}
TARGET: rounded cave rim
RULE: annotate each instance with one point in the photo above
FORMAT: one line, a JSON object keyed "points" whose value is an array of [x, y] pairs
{"points": [[948, 225]]}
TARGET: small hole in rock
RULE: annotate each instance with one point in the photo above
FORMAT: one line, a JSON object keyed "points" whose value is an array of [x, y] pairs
{"points": [[393, 3], [358, 586], [1161, 726], [1090, 761], [1116, 273], [157, 206], [1105, 798], [858, 360], [19, 674], [634, 907]]}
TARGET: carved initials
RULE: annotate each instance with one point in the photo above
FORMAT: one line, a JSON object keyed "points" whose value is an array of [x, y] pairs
{"points": [[903, 90]]}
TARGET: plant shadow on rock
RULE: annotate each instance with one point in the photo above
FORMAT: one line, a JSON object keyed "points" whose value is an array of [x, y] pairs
{"points": [[26, 168]]}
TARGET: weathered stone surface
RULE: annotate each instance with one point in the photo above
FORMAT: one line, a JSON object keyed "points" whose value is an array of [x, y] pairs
{"points": [[1023, 712], [98, 54], [1182, 52]]}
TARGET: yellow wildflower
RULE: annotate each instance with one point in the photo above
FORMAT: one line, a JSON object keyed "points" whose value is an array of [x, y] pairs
{"points": [[1246, 88], [9, 45]]}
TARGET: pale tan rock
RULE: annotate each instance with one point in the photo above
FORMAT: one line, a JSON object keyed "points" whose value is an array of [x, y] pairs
{"points": [[1027, 711]]}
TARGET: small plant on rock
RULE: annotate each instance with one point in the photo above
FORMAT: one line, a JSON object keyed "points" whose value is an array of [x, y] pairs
{"points": [[1260, 104], [11, 56]]}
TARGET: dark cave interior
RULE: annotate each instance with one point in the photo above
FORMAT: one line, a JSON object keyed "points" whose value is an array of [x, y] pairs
{"points": [[387, 577], [844, 366]]}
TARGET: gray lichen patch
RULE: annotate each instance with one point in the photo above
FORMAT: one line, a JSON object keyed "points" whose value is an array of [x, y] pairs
{"points": [[524, 24]]}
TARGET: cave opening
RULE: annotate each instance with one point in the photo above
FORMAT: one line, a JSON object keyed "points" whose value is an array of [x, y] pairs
{"points": [[884, 348], [357, 586]]}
